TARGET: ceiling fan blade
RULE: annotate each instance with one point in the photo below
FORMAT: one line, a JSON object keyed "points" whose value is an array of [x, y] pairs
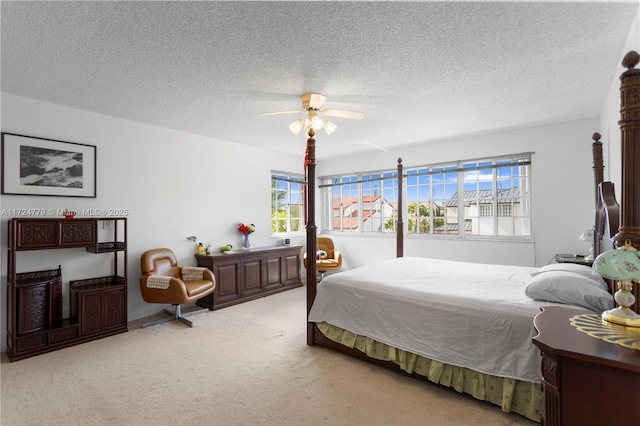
{"points": [[344, 114], [281, 112]]}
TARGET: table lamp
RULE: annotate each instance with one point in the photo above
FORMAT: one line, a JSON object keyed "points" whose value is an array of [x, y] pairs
{"points": [[621, 264], [587, 236]]}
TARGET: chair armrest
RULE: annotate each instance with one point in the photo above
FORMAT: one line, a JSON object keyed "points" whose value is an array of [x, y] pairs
{"points": [[174, 293], [338, 257], [208, 275], [196, 273]]}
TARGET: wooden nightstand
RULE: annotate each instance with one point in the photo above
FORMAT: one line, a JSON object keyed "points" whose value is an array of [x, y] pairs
{"points": [[586, 381], [573, 258]]}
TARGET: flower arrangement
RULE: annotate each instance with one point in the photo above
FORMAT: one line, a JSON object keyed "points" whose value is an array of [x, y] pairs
{"points": [[246, 229]]}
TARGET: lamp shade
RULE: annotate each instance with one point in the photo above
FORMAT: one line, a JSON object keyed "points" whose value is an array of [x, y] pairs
{"points": [[296, 126], [329, 127], [619, 264], [315, 121], [587, 235]]}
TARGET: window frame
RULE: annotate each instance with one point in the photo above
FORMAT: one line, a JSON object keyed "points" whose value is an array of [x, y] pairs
{"points": [[290, 179], [491, 176]]}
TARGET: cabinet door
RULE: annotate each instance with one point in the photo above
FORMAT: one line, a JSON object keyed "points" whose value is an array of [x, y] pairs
{"points": [[39, 306], [33, 308], [291, 268], [74, 232], [91, 312], [101, 310], [114, 307], [36, 234], [227, 282], [273, 266], [251, 276]]}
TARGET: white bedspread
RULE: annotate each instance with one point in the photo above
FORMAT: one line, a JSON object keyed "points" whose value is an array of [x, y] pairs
{"points": [[465, 314]]}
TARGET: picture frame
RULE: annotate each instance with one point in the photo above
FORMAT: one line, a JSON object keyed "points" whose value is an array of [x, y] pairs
{"points": [[49, 167]]}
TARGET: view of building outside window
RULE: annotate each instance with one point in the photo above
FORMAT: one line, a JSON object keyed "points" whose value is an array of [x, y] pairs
{"points": [[488, 197]]}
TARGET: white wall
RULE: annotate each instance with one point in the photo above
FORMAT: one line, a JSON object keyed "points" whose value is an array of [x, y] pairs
{"points": [[173, 184], [562, 194]]}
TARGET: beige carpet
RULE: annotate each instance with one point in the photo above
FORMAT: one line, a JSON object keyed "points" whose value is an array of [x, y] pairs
{"points": [[243, 365]]}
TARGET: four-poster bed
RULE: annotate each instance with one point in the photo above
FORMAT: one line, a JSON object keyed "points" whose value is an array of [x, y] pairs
{"points": [[514, 384]]}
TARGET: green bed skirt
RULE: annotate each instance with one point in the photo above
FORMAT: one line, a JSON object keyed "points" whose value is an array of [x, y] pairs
{"points": [[511, 395]]}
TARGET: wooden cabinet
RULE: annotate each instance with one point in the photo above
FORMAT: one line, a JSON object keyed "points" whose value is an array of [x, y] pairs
{"points": [[98, 306], [244, 275], [586, 381]]}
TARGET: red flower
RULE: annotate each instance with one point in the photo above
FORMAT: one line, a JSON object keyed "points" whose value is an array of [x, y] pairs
{"points": [[246, 229]]}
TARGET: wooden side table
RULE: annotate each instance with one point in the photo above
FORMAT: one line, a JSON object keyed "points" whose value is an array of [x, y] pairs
{"points": [[586, 381]]}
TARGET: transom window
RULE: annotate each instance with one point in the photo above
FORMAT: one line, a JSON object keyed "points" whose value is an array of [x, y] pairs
{"points": [[488, 197]]}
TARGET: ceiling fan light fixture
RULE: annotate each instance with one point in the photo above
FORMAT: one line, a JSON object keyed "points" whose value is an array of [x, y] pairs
{"points": [[312, 106], [329, 127], [316, 122], [296, 126]]}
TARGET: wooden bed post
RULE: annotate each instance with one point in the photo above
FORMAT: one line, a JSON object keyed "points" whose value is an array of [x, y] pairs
{"points": [[400, 224], [598, 163], [312, 240], [630, 151]]}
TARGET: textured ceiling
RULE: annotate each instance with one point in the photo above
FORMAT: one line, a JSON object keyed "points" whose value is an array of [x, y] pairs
{"points": [[419, 71]]}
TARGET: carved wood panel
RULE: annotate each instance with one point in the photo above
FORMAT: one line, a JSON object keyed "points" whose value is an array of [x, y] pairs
{"points": [[37, 234], [77, 233], [32, 306], [91, 312], [114, 303]]}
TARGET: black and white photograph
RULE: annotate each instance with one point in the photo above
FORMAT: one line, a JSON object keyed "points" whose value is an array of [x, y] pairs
{"points": [[38, 166]]}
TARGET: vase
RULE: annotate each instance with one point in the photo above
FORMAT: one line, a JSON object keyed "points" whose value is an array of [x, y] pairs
{"points": [[246, 243]]}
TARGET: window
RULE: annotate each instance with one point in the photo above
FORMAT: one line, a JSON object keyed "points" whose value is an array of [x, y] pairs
{"points": [[488, 197], [287, 203], [360, 202]]}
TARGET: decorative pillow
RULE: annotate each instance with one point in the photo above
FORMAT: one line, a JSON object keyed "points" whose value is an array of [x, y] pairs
{"points": [[570, 288], [321, 254], [583, 270]]}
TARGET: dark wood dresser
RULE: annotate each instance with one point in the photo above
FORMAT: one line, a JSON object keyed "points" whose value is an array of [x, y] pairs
{"points": [[586, 380], [243, 275]]}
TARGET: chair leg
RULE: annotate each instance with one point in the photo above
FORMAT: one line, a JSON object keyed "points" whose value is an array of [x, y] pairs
{"points": [[183, 317], [176, 315]]}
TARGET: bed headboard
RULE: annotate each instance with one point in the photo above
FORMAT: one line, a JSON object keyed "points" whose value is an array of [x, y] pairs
{"points": [[607, 208]]}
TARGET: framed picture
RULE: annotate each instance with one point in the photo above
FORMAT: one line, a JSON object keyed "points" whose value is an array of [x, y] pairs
{"points": [[38, 166]]}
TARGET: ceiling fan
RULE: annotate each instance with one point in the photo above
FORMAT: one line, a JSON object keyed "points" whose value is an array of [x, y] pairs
{"points": [[312, 105]]}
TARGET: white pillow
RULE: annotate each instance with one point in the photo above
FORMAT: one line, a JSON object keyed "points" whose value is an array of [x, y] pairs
{"points": [[570, 288], [584, 270]]}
